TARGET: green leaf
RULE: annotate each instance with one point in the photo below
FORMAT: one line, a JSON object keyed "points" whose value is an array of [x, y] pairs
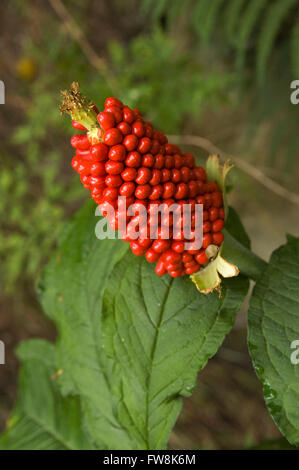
{"points": [[130, 343], [42, 419], [235, 227], [273, 320], [132, 371], [70, 292], [236, 247], [160, 332]]}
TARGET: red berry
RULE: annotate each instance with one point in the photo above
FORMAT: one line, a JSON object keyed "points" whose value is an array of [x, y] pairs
{"points": [[188, 160], [143, 191], [175, 175], [114, 168], [137, 249], [145, 242], [168, 190], [99, 151], [127, 189], [192, 188], [213, 214], [200, 173], [155, 177], [148, 160], [159, 161], [116, 112], [133, 160], [171, 257], [83, 168], [181, 191], [124, 128], [80, 141], [96, 181], [207, 201], [160, 268], [112, 102], [148, 129], [218, 225], [192, 269], [113, 136], [78, 126], [97, 169], [178, 246], [206, 226], [200, 200], [221, 213], [75, 162], [156, 192], [206, 240], [106, 120], [218, 238], [186, 257], [160, 245], [201, 257], [177, 161], [217, 199], [138, 128], [166, 175], [143, 175], [117, 153], [151, 255], [185, 174], [169, 161], [129, 174], [175, 274], [110, 194], [155, 148], [144, 145], [128, 115], [113, 181], [130, 142]]}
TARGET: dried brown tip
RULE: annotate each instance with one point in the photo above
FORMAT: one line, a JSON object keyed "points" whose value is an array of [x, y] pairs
{"points": [[76, 105], [73, 101]]}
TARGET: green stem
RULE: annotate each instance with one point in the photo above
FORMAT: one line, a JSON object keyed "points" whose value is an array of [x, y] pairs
{"points": [[248, 263]]}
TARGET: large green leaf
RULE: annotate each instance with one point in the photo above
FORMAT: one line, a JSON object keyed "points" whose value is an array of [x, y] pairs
{"points": [[43, 419], [130, 343], [160, 332], [176, 328], [273, 319], [70, 292]]}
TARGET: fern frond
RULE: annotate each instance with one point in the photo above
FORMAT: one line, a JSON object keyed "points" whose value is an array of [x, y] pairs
{"points": [[231, 17], [273, 22], [247, 23], [210, 18]]}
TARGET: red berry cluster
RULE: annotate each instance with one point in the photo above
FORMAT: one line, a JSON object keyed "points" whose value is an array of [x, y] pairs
{"points": [[133, 160]]}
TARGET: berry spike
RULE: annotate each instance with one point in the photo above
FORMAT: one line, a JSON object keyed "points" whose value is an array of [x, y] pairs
{"points": [[134, 173]]}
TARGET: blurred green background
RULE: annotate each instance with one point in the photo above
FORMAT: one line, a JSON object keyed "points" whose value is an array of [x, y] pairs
{"points": [[215, 69]]}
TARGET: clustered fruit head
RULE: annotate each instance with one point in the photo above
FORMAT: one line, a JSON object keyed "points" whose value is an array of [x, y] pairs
{"points": [[120, 154]]}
